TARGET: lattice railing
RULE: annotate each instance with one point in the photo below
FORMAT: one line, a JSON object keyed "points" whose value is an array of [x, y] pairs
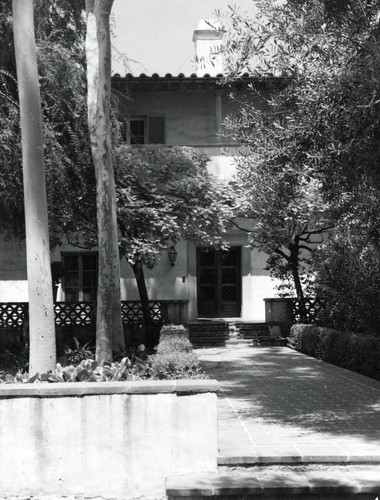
{"points": [[13, 315], [132, 314], [308, 311], [74, 313]]}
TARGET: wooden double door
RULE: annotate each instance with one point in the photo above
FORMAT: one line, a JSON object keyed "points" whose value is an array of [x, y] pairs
{"points": [[219, 282]]}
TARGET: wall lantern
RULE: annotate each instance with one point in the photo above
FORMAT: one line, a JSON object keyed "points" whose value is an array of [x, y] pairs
{"points": [[172, 254]]}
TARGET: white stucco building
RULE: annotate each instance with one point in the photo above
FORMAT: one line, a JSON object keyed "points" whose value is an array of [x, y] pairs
{"points": [[174, 110]]}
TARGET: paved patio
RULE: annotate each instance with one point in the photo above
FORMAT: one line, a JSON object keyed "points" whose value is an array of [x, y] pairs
{"points": [[279, 406]]}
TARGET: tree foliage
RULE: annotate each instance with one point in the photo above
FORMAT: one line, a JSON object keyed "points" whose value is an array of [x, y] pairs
{"points": [[60, 32], [310, 151], [165, 193]]}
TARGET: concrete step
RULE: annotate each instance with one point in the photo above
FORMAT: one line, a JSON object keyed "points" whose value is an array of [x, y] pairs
{"points": [[238, 342], [276, 482]]}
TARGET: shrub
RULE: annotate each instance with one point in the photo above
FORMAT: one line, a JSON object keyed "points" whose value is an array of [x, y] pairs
{"points": [[304, 339], [173, 330], [328, 349], [13, 362], [175, 365], [78, 353], [174, 343], [86, 371], [173, 338], [174, 358], [356, 352], [347, 276]]}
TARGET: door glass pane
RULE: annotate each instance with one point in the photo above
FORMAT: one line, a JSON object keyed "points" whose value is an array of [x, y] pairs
{"points": [[208, 293], [72, 280], [229, 258], [208, 277], [89, 294], [229, 294], [89, 262], [229, 275], [207, 258], [71, 262], [71, 295], [89, 279]]}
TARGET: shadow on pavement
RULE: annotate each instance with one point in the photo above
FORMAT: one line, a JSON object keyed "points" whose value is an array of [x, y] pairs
{"points": [[279, 387]]}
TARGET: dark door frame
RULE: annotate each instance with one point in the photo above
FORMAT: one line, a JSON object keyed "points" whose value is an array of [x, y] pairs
{"points": [[220, 311]]}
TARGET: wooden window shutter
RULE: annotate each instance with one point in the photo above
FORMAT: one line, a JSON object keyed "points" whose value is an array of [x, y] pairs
{"points": [[156, 130]]}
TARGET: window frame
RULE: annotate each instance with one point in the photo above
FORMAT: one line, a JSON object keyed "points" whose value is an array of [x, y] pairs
{"points": [[145, 119], [80, 287]]}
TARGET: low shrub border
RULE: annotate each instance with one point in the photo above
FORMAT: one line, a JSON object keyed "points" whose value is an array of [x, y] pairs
{"points": [[174, 359], [359, 353]]}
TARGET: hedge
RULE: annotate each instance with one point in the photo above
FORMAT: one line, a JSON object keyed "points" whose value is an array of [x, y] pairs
{"points": [[174, 358], [356, 352]]}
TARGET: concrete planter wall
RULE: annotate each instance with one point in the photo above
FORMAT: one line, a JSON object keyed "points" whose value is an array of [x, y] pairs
{"points": [[116, 439]]}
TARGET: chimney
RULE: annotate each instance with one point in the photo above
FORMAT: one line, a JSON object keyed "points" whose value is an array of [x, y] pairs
{"points": [[208, 40]]}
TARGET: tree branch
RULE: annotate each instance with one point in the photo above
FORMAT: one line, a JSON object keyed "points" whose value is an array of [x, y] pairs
{"points": [[316, 231], [283, 254], [238, 227], [10, 99], [304, 247]]}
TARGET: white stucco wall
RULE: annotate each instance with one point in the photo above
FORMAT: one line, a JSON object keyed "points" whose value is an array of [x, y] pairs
{"points": [[163, 282], [110, 440]]}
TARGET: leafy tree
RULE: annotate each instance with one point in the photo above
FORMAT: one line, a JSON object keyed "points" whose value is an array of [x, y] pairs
{"points": [[164, 194], [60, 53], [311, 150], [348, 278], [41, 311]]}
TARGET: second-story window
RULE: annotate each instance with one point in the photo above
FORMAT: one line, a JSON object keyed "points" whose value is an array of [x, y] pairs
{"points": [[145, 130], [137, 131]]}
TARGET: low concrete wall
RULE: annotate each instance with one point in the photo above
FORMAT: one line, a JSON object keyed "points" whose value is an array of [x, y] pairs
{"points": [[115, 440]]}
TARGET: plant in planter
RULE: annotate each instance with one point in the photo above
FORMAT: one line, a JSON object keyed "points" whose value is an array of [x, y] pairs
{"points": [[174, 358]]}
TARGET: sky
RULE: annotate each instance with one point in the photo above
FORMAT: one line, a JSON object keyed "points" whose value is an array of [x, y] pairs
{"points": [[156, 35]]}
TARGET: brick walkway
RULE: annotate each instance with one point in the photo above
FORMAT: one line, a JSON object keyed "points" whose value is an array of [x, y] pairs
{"points": [[279, 406]]}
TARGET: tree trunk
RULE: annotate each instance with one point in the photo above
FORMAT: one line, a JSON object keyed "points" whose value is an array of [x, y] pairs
{"points": [[141, 285], [41, 309], [294, 267], [109, 327]]}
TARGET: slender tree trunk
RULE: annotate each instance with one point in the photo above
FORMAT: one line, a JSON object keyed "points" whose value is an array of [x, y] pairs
{"points": [[109, 327], [41, 309], [294, 266], [141, 285]]}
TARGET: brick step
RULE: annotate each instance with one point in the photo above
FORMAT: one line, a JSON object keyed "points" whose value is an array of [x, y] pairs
{"points": [[254, 331], [256, 483], [208, 333]]}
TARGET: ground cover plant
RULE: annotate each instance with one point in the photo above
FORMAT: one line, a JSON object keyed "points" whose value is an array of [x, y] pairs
{"points": [[356, 352], [174, 359]]}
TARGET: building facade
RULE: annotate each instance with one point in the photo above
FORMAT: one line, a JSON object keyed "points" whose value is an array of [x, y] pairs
{"points": [[172, 110]]}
